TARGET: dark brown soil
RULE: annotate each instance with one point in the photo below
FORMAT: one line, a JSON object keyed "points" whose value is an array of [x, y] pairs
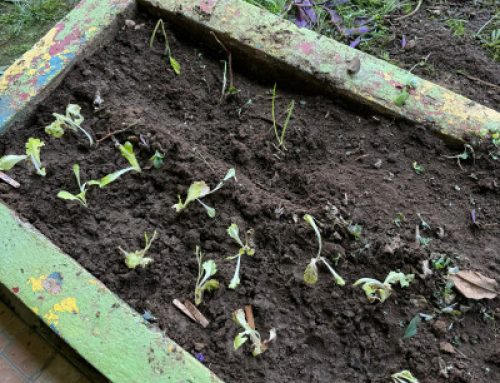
{"points": [[360, 163], [458, 63]]}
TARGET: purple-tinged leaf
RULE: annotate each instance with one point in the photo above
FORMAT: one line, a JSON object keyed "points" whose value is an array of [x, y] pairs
{"points": [[305, 16], [403, 42], [357, 31], [355, 43], [473, 216]]}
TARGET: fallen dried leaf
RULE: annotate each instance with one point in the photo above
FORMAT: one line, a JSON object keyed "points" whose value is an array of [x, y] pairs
{"points": [[474, 285]]}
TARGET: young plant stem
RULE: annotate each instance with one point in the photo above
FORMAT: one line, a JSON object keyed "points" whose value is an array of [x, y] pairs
{"points": [[229, 61], [281, 137]]}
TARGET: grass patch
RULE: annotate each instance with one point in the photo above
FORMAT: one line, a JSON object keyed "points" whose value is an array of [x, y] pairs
{"points": [[23, 23], [457, 26]]}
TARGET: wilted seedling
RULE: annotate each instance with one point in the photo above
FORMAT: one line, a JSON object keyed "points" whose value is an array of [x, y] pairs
{"points": [[348, 228], [380, 291], [157, 160], [33, 147], [200, 189], [127, 151], [440, 261], [173, 62], [258, 346], [280, 137], [206, 270], [245, 249], [138, 258], [80, 197], [419, 169], [465, 155], [399, 219], [404, 376], [311, 272], [72, 120], [9, 161], [420, 239]]}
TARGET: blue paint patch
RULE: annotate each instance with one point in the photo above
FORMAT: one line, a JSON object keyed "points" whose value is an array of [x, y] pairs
{"points": [[6, 113], [56, 65]]}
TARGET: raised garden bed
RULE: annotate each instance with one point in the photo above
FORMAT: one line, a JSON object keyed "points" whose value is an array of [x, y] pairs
{"points": [[340, 162]]}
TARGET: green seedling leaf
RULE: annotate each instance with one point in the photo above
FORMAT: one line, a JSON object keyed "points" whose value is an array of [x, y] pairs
{"points": [[404, 376], [378, 291], [138, 258], [157, 160], [258, 346], [9, 161], [419, 169], [412, 328], [206, 270], [311, 271], [402, 98], [33, 147], [127, 151], [355, 231], [71, 120], [80, 197], [200, 189], [280, 137], [441, 263], [106, 180], [400, 218], [175, 65], [245, 249], [173, 62]]}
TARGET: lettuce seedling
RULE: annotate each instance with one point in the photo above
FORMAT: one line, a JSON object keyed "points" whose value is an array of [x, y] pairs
{"points": [[311, 272], [258, 346], [200, 189], [9, 161], [127, 151], [206, 270], [380, 291], [138, 258], [80, 197], [419, 169], [72, 120], [176, 67], [245, 249], [157, 160], [33, 147], [404, 376], [280, 137]]}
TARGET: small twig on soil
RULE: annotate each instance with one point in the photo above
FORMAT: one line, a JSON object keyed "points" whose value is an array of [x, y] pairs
{"points": [[478, 79], [229, 60], [111, 134], [12, 182], [249, 315], [200, 156], [200, 318], [177, 303], [417, 8]]}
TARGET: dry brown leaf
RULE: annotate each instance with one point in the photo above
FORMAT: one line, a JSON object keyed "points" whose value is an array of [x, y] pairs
{"points": [[474, 285]]}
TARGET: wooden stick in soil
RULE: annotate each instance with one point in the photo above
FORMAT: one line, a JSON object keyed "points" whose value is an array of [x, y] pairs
{"points": [[200, 318], [417, 8], [8, 180], [177, 303], [249, 316]]}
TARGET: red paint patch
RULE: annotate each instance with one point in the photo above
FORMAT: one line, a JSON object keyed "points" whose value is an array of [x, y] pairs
{"points": [[207, 6], [306, 47], [59, 46], [15, 290]]}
